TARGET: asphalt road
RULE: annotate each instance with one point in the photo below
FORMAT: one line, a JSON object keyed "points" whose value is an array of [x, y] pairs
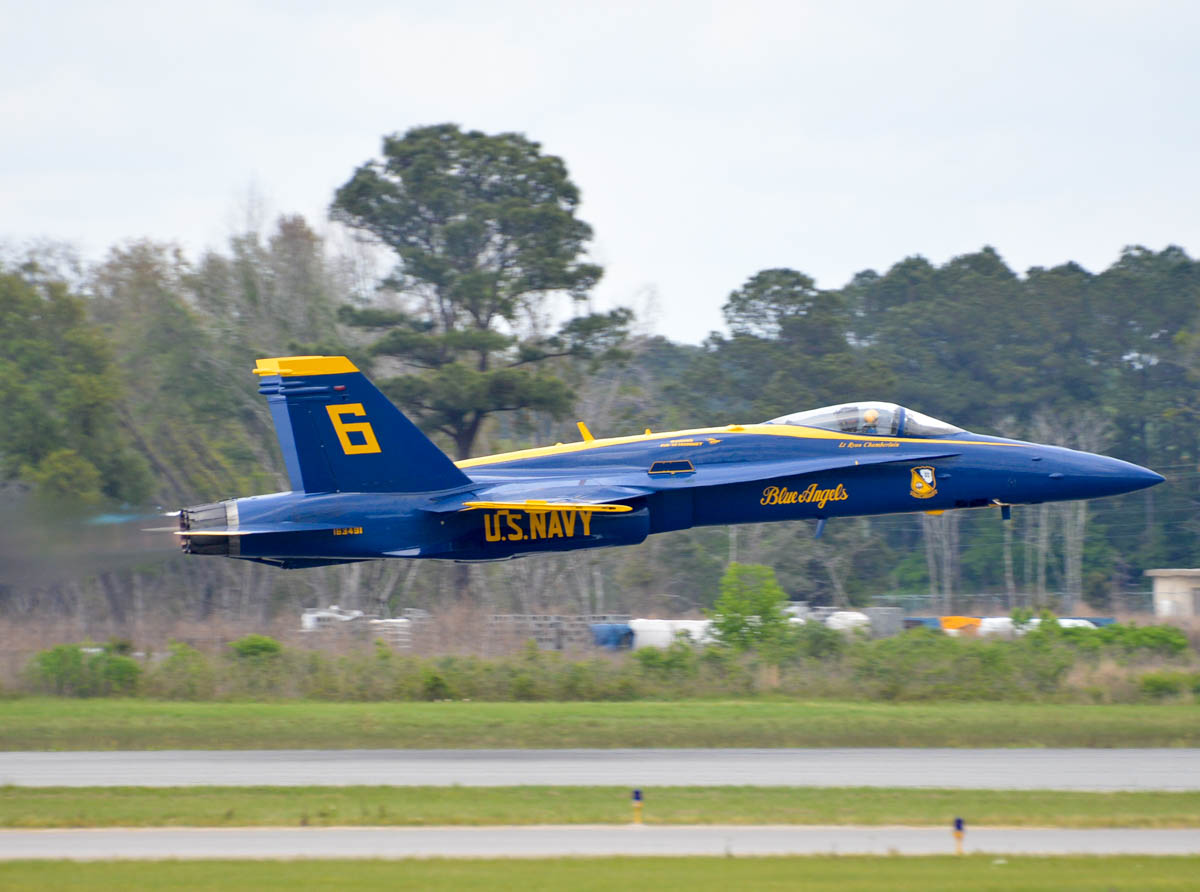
{"points": [[998, 769], [540, 842]]}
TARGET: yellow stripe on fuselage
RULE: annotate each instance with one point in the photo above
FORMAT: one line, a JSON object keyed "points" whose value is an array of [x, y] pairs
{"points": [[772, 430]]}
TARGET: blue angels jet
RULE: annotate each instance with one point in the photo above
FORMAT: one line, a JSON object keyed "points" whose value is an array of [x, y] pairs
{"points": [[367, 484]]}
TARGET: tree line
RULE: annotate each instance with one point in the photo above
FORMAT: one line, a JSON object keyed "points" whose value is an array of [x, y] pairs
{"points": [[125, 386]]}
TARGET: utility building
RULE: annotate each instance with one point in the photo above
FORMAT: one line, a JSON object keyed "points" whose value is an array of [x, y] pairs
{"points": [[1176, 592]]}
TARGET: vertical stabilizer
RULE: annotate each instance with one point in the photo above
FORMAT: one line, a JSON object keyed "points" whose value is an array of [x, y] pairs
{"points": [[338, 433]]}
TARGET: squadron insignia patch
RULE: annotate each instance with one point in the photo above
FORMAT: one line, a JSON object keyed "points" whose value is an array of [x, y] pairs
{"points": [[924, 483]]}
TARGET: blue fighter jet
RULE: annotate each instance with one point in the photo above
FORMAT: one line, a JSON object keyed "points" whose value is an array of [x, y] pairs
{"points": [[367, 484]]}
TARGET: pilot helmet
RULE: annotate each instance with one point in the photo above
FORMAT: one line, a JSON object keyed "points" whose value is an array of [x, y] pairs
{"points": [[870, 416]]}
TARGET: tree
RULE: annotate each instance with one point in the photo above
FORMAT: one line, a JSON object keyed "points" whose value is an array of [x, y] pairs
{"points": [[189, 408], [749, 611], [485, 230], [61, 392], [789, 349], [777, 302], [965, 340], [272, 295]]}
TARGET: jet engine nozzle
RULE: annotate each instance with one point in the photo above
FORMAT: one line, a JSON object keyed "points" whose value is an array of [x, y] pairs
{"points": [[210, 518]]}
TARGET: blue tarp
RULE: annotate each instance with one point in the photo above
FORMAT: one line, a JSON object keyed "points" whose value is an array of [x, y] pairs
{"points": [[917, 622], [613, 636], [1096, 621]]}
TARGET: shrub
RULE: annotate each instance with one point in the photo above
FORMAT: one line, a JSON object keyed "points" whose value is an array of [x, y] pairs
{"points": [[119, 675], [185, 674], [261, 670], [814, 639], [725, 670], [1044, 656], [1166, 641], [60, 670], [803, 661], [1160, 685], [523, 687], [433, 685], [256, 646], [70, 670], [121, 646], [678, 661], [919, 664], [1132, 639]]}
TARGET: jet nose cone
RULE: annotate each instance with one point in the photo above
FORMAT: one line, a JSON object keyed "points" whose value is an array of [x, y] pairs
{"points": [[1143, 477], [1070, 474], [1118, 476]]}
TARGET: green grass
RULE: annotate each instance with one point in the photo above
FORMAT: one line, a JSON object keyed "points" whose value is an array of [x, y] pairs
{"points": [[44, 723], [32, 807], [817, 874]]}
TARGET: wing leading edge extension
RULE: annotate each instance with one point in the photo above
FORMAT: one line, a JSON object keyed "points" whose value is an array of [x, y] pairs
{"points": [[608, 492]]}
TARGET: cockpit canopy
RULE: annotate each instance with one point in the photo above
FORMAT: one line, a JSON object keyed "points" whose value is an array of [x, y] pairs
{"points": [[883, 419]]}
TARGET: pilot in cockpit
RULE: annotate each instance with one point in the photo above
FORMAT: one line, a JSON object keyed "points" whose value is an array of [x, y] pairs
{"points": [[851, 420], [870, 421], [870, 418]]}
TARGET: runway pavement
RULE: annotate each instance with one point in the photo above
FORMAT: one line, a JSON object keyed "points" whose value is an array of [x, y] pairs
{"points": [[1000, 769], [539, 842]]}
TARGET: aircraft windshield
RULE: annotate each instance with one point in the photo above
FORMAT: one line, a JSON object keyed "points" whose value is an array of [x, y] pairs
{"points": [[882, 419]]}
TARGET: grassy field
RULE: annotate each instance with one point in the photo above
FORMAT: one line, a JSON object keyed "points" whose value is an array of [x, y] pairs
{"points": [[44, 723], [31, 807], [817, 874]]}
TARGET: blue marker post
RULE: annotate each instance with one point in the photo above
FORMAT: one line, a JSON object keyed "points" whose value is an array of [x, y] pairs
{"points": [[960, 831], [637, 806]]}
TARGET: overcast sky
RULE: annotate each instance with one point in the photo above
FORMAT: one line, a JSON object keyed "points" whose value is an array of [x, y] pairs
{"points": [[710, 140]]}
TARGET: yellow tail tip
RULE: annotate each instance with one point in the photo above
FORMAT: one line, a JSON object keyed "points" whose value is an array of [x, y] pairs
{"points": [[289, 366]]}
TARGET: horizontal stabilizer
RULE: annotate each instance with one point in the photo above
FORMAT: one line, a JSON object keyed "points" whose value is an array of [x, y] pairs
{"points": [[283, 528], [536, 496], [534, 506]]}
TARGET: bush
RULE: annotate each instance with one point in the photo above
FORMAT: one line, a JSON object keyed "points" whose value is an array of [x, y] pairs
{"points": [[1044, 657], [1131, 639], [1166, 641], [60, 670], [677, 662], [185, 674], [922, 664], [808, 661], [434, 686], [261, 670], [71, 671], [256, 646], [119, 675], [1160, 685], [814, 639]]}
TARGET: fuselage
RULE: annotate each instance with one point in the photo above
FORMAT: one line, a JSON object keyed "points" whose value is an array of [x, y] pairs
{"points": [[670, 481]]}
